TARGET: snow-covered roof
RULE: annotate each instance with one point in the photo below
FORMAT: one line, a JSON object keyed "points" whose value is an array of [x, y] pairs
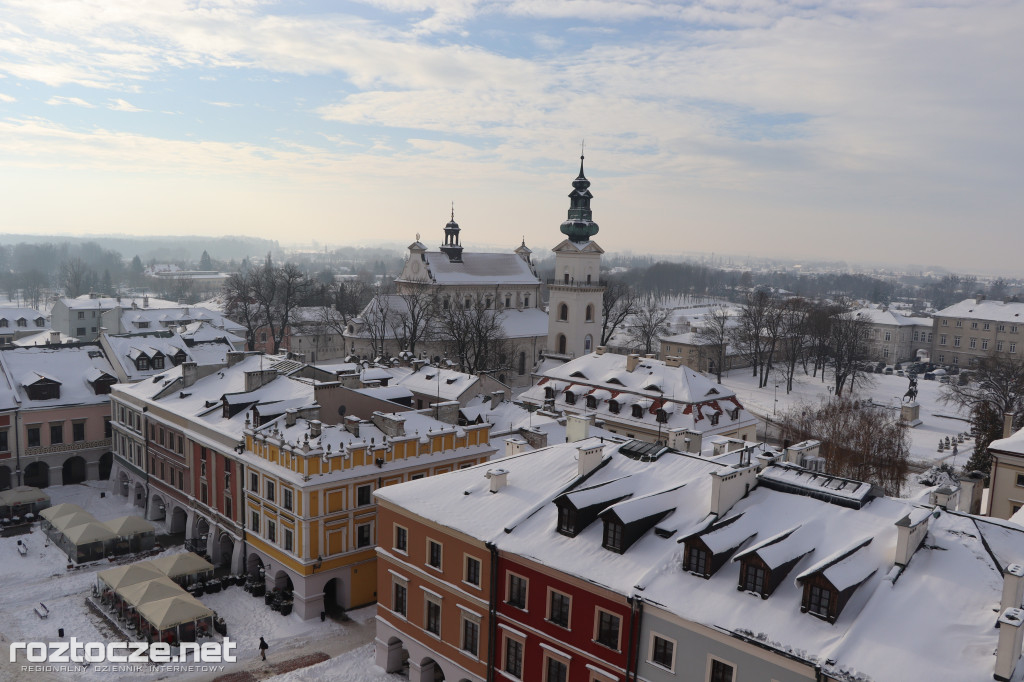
{"points": [[1013, 444], [448, 384], [998, 311], [71, 366], [43, 338], [480, 268], [86, 302], [174, 316], [201, 331], [9, 317], [891, 317]]}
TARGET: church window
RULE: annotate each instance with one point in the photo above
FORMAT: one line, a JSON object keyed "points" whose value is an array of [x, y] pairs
{"points": [[488, 299], [526, 301], [466, 304], [588, 343], [563, 312], [566, 278], [508, 301], [590, 313]]}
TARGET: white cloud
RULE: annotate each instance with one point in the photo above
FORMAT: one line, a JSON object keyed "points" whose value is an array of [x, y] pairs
{"points": [[58, 100], [225, 105], [122, 105], [7, 98]]}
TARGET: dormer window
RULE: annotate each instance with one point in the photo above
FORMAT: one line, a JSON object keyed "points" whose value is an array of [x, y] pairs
{"points": [[549, 393], [3, 322], [753, 578], [612, 535], [22, 322], [591, 402], [638, 412], [819, 600], [613, 406], [567, 521], [662, 416], [734, 414], [158, 362], [570, 398], [142, 325], [40, 322], [697, 561], [142, 363], [714, 418]]}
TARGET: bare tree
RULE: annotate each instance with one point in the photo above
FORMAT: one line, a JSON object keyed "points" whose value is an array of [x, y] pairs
{"points": [[242, 306], [848, 347], [793, 338], [475, 336], [377, 321], [618, 302], [756, 334], [413, 318], [713, 337], [819, 335], [647, 324], [277, 291], [75, 277], [33, 284], [857, 441]]}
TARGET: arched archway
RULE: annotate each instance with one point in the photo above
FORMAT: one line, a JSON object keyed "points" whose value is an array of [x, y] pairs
{"points": [[333, 597], [5, 478], [106, 464], [561, 344], [37, 475], [397, 657], [157, 509], [73, 470], [226, 545], [122, 484], [283, 581], [253, 564], [140, 495], [430, 671], [179, 518]]}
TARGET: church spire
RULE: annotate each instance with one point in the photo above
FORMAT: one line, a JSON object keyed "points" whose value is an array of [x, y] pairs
{"points": [[451, 247], [579, 226]]}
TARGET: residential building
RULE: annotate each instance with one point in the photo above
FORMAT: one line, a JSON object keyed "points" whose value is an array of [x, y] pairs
{"points": [[310, 331], [637, 562], [1006, 477], [893, 337], [138, 356], [16, 323], [977, 328], [643, 398], [82, 317], [57, 430]]}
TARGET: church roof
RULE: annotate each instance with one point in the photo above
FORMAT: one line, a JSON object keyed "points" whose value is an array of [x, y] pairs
{"points": [[480, 268]]}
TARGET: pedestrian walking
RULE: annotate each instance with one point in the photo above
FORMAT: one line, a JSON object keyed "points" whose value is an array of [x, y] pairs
{"points": [[263, 649]]}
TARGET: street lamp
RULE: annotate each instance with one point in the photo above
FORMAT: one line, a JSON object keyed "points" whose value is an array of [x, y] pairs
{"points": [[775, 407]]}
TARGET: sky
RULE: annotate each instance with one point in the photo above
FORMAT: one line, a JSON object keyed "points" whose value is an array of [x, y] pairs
{"points": [[864, 131]]}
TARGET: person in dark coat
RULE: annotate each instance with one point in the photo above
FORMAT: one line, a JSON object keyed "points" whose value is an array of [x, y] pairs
{"points": [[263, 649]]}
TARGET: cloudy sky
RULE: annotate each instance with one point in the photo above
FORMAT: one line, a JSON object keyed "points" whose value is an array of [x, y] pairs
{"points": [[868, 130]]}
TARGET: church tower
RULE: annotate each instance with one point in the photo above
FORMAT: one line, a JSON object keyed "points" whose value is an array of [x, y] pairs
{"points": [[575, 295], [452, 248]]}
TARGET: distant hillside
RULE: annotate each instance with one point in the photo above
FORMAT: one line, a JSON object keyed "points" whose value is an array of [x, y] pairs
{"points": [[161, 248]]}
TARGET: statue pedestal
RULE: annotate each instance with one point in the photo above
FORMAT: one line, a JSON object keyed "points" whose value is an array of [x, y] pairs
{"points": [[911, 413]]}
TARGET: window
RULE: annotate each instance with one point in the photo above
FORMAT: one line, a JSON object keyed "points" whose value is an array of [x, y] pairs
{"points": [[202, 462], [287, 540], [401, 539], [271, 531], [956, 360], [363, 535], [363, 493], [78, 431], [613, 406], [663, 652], [202, 493], [590, 313], [434, 554], [470, 636], [255, 525], [697, 560], [81, 314], [526, 302], [608, 629], [974, 325], [80, 331], [720, 671], [263, 337], [254, 482], [473, 571], [945, 323], [158, 362], [753, 579], [56, 433], [638, 412], [142, 363], [1001, 327], [956, 341], [514, 658], [558, 609], [1013, 329], [888, 336], [567, 521], [942, 358], [1013, 347], [4, 445], [1020, 480], [973, 343], [556, 671], [108, 430], [563, 312], [570, 398], [613, 536], [999, 346], [818, 600], [270, 491], [287, 498], [986, 326], [959, 323], [516, 591], [400, 603], [984, 344], [433, 624]]}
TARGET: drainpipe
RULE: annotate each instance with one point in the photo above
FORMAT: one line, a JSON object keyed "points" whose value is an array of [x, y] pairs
{"points": [[633, 651], [17, 444], [492, 612], [145, 460]]}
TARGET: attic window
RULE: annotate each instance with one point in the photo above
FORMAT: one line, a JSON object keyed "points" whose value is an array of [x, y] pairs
{"points": [[591, 402], [662, 416], [818, 600], [712, 391], [570, 398], [549, 393], [95, 354], [652, 387], [567, 521], [613, 406], [638, 412], [734, 414], [714, 416], [697, 561], [451, 380], [579, 374], [613, 535], [613, 380], [430, 376]]}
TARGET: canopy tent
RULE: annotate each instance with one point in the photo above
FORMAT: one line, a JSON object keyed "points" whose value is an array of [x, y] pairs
{"points": [[24, 496], [151, 590], [176, 618], [86, 541], [186, 567], [58, 510], [134, 534], [123, 576], [62, 523]]}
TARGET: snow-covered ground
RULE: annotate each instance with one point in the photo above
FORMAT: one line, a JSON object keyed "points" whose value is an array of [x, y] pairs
{"points": [[355, 666], [937, 420], [43, 576]]}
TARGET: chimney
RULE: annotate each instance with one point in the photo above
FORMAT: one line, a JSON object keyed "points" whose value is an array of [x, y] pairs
{"points": [[600, 350], [650, 356], [1007, 424], [1011, 637], [352, 425], [513, 446], [729, 485], [577, 427], [235, 357], [589, 458], [189, 373], [673, 361], [314, 428], [289, 417], [971, 487], [632, 360], [498, 478], [684, 440], [447, 411], [259, 377], [1013, 587], [978, 298], [54, 336], [910, 532], [145, 301], [945, 497], [496, 398]]}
